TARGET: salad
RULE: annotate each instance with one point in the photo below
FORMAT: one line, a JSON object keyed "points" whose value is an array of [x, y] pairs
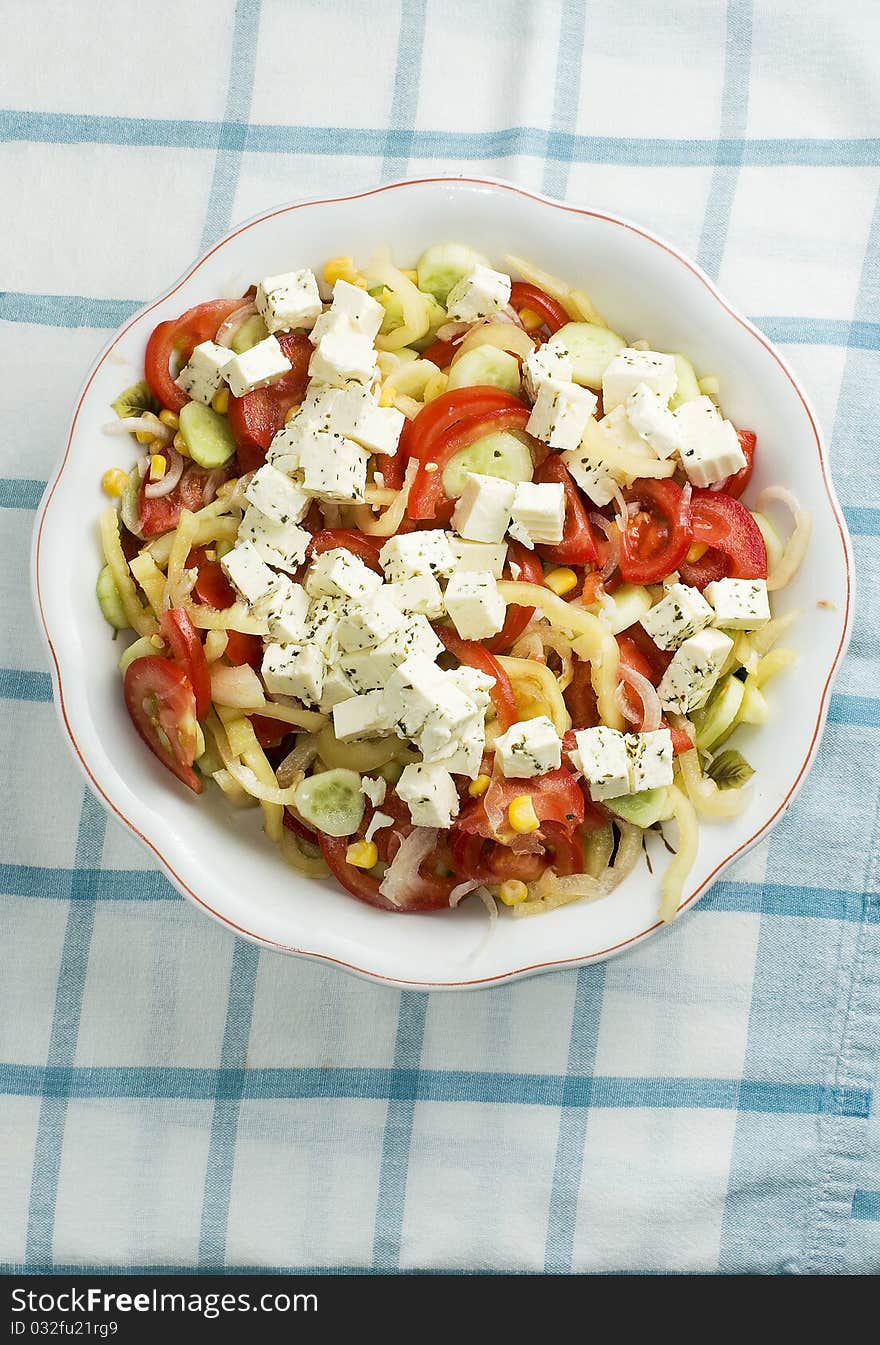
{"points": [[448, 578]]}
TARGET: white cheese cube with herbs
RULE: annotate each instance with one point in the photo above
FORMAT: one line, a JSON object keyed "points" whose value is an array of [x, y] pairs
{"points": [[650, 760], [286, 444], [280, 544], [411, 693], [255, 368], [275, 495], [430, 794], [464, 755], [740, 604], [529, 747], [545, 362], [482, 511], [478, 685], [342, 356], [560, 413], [325, 614], [483, 556], [602, 759], [245, 569], [710, 449], [369, 624], [414, 635], [201, 377], [450, 720], [421, 593], [591, 474], [478, 294], [363, 716], [681, 613], [417, 553], [333, 467], [538, 512], [336, 689], [364, 312], [475, 605], [694, 670], [286, 611], [294, 670], [370, 669], [377, 429], [340, 574], [354, 412], [652, 419], [289, 302], [629, 368]]}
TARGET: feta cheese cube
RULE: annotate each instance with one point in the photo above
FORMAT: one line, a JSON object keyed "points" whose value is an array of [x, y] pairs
{"points": [[560, 413], [538, 512], [280, 544], [681, 613], [421, 594], [343, 355], [694, 670], [529, 747], [256, 367], [201, 376], [450, 719], [475, 605], [377, 429], [651, 418], [413, 636], [411, 693], [601, 440], [340, 574], [369, 624], [650, 760], [357, 307], [591, 474], [374, 788], [325, 614], [417, 553], [473, 683], [244, 568], [370, 669], [482, 512], [464, 754], [710, 448], [484, 556], [333, 468], [481, 292], [289, 301], [740, 604], [602, 759], [430, 794], [275, 495], [286, 610], [286, 444], [548, 361], [361, 717], [294, 670], [629, 368], [336, 689]]}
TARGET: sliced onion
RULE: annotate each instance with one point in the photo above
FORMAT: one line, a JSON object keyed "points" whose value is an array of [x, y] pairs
{"points": [[240, 688], [494, 811], [450, 331], [147, 423], [651, 711], [143, 466], [388, 523], [402, 873], [612, 533], [212, 481], [154, 490], [796, 546], [463, 890], [226, 331], [504, 335]]}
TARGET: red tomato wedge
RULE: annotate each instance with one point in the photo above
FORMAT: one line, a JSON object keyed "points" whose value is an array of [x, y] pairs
{"points": [[487, 861], [161, 514], [181, 336], [160, 700], [736, 547], [655, 540], [580, 697], [556, 798], [441, 353], [271, 732], [243, 649], [182, 638], [256, 418], [430, 892], [211, 586], [578, 546], [359, 543], [472, 653], [523, 295], [531, 572]]}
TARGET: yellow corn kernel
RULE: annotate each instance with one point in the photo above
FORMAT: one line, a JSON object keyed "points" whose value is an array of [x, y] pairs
{"points": [[434, 386], [411, 275], [561, 581], [695, 553], [157, 642], [343, 268], [289, 415], [181, 445], [171, 419], [220, 401], [114, 481], [144, 436], [521, 814], [530, 319], [386, 396], [158, 466], [513, 891], [362, 855], [478, 787]]}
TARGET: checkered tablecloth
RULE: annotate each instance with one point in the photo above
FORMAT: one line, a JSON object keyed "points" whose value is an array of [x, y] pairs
{"points": [[173, 1098]]}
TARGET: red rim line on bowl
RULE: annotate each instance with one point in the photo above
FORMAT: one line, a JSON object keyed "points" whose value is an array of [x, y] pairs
{"points": [[516, 972]]}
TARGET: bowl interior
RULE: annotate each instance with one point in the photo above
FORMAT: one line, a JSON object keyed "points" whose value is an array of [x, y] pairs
{"points": [[217, 854]]}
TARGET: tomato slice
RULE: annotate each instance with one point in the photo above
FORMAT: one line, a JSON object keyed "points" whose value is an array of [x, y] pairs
{"points": [[427, 491], [523, 295], [181, 335], [735, 485], [441, 353], [271, 732], [161, 514], [555, 797], [656, 539], [186, 649], [531, 572], [580, 697], [429, 893], [736, 547], [211, 586], [256, 418], [472, 653], [487, 861], [160, 700], [243, 649], [359, 543], [578, 546]]}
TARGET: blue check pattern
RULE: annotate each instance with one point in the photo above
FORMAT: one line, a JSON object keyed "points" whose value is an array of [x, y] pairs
{"points": [[175, 1099]]}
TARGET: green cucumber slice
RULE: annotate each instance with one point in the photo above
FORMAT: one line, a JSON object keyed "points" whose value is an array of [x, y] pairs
{"points": [[642, 809], [207, 435], [251, 331], [505, 454], [590, 349], [688, 388], [109, 600], [443, 265], [485, 366], [720, 716], [142, 648], [332, 801]]}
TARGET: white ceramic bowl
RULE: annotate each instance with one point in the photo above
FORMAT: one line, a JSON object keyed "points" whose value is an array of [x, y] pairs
{"points": [[217, 856]]}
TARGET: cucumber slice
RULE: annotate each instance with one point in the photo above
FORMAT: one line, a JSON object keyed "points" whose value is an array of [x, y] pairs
{"points": [[109, 600], [443, 265], [485, 366], [642, 809], [252, 330], [687, 389], [207, 435], [623, 608], [142, 648], [772, 540], [590, 349], [332, 801], [504, 454], [413, 377], [754, 708], [720, 716]]}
